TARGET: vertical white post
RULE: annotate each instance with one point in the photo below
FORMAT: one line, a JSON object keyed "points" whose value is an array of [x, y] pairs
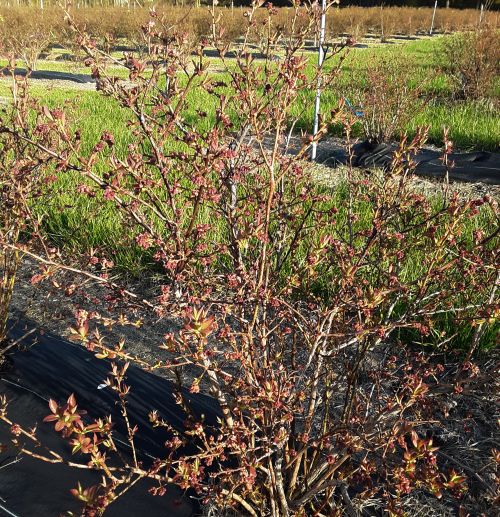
{"points": [[321, 58], [481, 14], [433, 17], [41, 4]]}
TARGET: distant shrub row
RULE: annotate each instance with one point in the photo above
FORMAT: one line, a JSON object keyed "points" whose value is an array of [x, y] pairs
{"points": [[125, 24]]}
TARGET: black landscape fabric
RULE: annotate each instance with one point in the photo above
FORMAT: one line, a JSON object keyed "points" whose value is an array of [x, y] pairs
{"points": [[474, 167], [51, 75], [51, 367], [479, 166]]}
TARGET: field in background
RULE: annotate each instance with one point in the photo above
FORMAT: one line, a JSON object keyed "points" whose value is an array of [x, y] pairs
{"points": [[79, 224], [114, 24], [473, 124]]}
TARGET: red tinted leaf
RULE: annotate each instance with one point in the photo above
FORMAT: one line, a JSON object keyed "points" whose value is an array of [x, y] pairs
{"points": [[53, 405]]}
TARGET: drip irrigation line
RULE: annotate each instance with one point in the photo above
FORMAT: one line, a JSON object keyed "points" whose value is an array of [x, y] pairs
{"points": [[20, 386], [8, 512]]}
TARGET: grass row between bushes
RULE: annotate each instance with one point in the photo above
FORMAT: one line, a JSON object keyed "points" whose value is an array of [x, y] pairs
{"points": [[80, 223], [472, 124]]}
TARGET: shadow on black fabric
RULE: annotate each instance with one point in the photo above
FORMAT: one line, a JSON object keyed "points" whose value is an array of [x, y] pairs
{"points": [[51, 367]]}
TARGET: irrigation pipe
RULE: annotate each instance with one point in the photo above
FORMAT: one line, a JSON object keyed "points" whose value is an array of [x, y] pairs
{"points": [[433, 17], [321, 58], [8, 512]]}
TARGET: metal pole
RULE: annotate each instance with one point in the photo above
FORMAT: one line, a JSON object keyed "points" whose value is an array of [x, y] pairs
{"points": [[481, 14], [321, 58], [433, 17]]}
